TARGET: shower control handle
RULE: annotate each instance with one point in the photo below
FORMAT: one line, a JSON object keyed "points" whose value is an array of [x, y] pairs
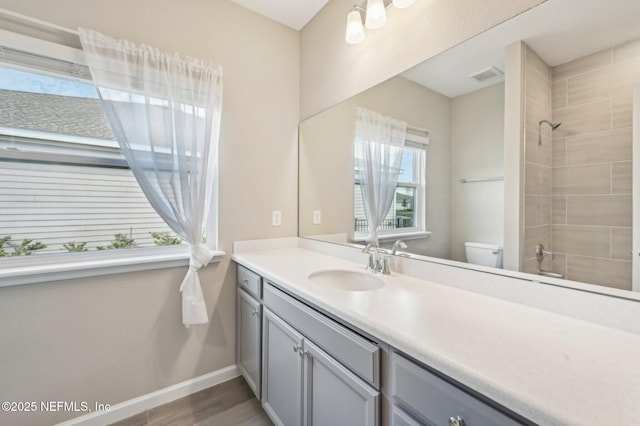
{"points": [[541, 253]]}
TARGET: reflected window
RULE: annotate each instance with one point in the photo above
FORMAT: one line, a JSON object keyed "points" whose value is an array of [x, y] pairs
{"points": [[407, 212]]}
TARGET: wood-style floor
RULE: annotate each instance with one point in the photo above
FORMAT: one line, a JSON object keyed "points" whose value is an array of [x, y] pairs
{"points": [[228, 404]]}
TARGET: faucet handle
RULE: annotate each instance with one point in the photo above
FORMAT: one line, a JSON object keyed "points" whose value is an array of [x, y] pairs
{"points": [[369, 246], [385, 266], [541, 253], [371, 264], [375, 262]]}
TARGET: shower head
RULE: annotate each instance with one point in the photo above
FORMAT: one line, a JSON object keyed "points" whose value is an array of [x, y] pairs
{"points": [[553, 127]]}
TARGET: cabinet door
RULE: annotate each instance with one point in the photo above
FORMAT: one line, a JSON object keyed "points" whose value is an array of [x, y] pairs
{"points": [[248, 335], [281, 371], [334, 395]]}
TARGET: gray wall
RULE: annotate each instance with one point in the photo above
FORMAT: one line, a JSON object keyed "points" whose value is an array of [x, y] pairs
{"points": [[477, 150], [332, 70]]}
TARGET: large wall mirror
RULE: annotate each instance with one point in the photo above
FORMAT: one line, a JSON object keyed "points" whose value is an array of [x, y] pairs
{"points": [[567, 70]]}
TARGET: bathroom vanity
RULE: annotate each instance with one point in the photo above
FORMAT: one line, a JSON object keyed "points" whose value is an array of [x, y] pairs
{"points": [[413, 351]]}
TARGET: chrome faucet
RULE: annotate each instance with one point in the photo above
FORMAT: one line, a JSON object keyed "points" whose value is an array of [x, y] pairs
{"points": [[398, 244], [377, 264], [373, 265]]}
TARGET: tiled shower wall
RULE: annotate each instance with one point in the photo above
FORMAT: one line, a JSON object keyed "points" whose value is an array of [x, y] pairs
{"points": [[591, 165], [537, 160]]}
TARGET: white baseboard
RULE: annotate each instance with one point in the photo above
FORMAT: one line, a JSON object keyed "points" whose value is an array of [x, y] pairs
{"points": [[142, 403]]}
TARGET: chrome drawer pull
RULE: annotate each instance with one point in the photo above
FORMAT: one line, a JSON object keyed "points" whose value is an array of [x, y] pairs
{"points": [[254, 312], [456, 421]]}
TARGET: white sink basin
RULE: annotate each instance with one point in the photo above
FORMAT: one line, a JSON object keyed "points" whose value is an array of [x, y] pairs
{"points": [[348, 280]]}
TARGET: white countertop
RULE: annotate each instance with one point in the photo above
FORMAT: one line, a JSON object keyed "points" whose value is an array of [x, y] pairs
{"points": [[551, 369]]}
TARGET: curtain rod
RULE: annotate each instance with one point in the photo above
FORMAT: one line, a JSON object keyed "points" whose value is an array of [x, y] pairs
{"points": [[415, 129]]}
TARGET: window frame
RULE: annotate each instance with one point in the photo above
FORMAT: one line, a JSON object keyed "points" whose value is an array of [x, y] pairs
{"points": [[412, 141], [62, 266]]}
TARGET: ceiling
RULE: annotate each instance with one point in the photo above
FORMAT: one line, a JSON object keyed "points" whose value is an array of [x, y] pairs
{"points": [[558, 30], [292, 13]]}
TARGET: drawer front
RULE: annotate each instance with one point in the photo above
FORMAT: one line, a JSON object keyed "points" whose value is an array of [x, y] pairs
{"points": [[250, 281], [400, 418], [352, 350], [436, 401]]}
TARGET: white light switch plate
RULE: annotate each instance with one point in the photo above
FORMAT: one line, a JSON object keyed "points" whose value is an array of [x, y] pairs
{"points": [[317, 217], [276, 218]]}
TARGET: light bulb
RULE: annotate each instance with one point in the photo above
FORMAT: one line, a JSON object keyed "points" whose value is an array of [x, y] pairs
{"points": [[376, 15], [401, 4], [355, 32]]}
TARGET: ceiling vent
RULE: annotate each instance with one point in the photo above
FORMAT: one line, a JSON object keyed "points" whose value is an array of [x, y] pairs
{"points": [[486, 74]]}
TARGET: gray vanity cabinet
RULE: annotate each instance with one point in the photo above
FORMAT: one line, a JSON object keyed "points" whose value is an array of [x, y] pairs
{"points": [[249, 328], [310, 368]]}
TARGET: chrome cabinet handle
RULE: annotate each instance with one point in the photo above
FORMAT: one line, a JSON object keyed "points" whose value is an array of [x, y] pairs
{"points": [[298, 348], [456, 421], [254, 311], [245, 281]]}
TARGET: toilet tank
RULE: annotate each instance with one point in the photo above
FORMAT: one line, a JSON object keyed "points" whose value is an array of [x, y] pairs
{"points": [[483, 254]]}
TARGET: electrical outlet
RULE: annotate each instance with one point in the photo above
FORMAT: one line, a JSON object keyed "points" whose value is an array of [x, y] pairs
{"points": [[276, 218], [317, 217]]}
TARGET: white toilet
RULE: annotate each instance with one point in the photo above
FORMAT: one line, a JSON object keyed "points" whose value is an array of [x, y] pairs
{"points": [[484, 254]]}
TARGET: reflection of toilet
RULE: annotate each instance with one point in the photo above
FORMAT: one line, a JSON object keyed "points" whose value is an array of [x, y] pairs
{"points": [[484, 254]]}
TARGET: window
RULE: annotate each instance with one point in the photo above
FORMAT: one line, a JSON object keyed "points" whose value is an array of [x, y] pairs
{"points": [[64, 185], [407, 213]]}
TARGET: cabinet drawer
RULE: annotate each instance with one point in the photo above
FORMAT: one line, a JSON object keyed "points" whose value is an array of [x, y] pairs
{"points": [[435, 401], [352, 350], [400, 418], [250, 281]]}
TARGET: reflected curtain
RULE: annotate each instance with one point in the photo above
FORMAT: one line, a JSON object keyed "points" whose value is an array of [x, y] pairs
{"points": [[379, 144], [164, 111]]}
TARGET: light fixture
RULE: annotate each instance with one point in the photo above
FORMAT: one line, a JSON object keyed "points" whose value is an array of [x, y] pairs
{"points": [[355, 31], [375, 15]]}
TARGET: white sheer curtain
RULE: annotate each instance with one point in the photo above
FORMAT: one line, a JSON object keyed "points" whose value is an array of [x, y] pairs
{"points": [[379, 142], [165, 110]]}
